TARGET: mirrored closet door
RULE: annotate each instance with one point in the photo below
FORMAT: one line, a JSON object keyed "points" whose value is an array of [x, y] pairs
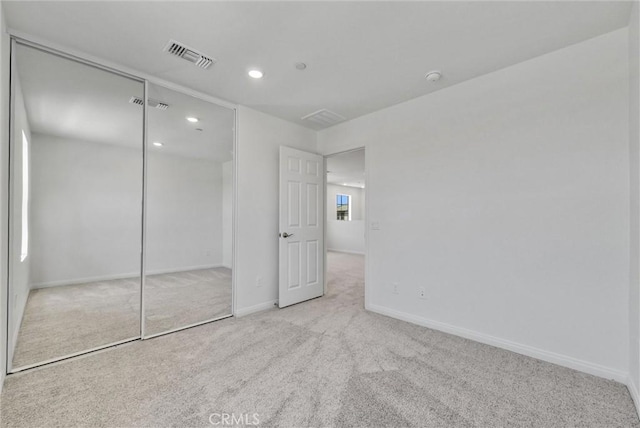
{"points": [[111, 240], [188, 248], [76, 186]]}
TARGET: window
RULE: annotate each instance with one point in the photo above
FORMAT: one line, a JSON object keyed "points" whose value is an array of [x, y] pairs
{"points": [[343, 207], [24, 248]]}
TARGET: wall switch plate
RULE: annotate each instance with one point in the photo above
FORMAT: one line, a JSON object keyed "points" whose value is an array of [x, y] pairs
{"points": [[258, 281], [375, 225], [395, 288]]}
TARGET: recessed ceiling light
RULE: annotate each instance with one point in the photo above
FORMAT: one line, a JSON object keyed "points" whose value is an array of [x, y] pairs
{"points": [[192, 119], [301, 65], [157, 143], [433, 76], [256, 74]]}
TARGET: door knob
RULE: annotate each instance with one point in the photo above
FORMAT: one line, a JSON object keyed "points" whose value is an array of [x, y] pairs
{"points": [[286, 235]]}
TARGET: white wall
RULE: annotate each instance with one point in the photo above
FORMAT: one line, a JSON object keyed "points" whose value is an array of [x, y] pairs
{"points": [[347, 236], [634, 165], [4, 179], [86, 212], [259, 139], [19, 269], [515, 206], [227, 214], [184, 213]]}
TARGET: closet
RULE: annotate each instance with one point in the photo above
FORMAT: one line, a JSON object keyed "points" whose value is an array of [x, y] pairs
{"points": [[120, 208]]}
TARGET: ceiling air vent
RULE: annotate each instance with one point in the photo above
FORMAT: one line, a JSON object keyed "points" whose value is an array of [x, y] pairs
{"points": [[152, 103], [324, 118], [158, 104], [191, 55], [136, 100]]}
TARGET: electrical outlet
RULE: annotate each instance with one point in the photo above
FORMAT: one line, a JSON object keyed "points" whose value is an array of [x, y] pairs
{"points": [[422, 293], [395, 288], [258, 281]]}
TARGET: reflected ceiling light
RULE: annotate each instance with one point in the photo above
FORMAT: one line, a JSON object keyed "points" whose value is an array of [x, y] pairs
{"points": [[192, 119], [256, 74], [157, 143]]}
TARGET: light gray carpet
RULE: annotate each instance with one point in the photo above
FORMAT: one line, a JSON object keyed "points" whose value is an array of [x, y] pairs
{"points": [[184, 298], [62, 320], [324, 363]]}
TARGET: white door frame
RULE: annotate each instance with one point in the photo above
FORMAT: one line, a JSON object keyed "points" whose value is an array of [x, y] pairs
{"points": [[367, 293]]}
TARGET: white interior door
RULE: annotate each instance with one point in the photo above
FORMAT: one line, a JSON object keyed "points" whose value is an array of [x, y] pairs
{"points": [[301, 226]]}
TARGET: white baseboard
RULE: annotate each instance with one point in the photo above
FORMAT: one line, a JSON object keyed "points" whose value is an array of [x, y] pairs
{"points": [[83, 280], [120, 276], [633, 391], [255, 308], [184, 269], [360, 253], [530, 351]]}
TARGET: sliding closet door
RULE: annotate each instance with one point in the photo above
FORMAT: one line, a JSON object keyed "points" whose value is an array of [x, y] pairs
{"points": [[75, 208], [188, 250]]}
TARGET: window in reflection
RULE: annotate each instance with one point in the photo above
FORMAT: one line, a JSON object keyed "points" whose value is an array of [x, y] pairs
{"points": [[25, 198]]}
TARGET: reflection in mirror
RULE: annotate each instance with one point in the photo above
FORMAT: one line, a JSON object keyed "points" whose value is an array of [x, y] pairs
{"points": [[188, 217], [75, 215]]}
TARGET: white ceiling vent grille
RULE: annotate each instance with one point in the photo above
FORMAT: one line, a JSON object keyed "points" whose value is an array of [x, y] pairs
{"points": [[324, 118], [136, 100], [152, 103], [191, 55], [158, 104]]}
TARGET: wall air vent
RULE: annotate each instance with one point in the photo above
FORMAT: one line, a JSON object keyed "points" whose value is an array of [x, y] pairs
{"points": [[191, 55], [323, 118], [152, 103]]}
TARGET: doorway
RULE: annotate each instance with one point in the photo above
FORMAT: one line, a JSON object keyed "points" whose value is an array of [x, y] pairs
{"points": [[345, 224]]}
